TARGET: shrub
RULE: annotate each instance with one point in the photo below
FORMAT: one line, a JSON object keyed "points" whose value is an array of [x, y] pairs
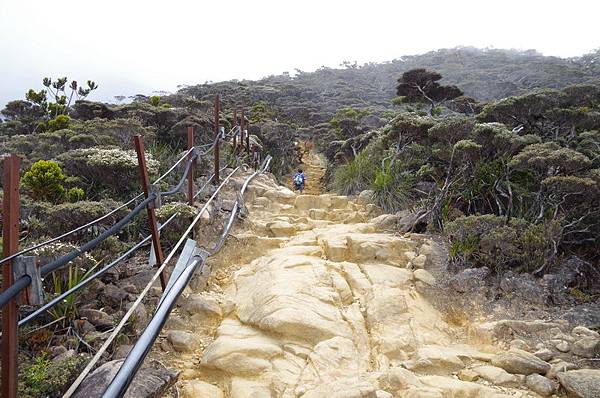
{"points": [[355, 176], [398, 100], [47, 220], [43, 377], [55, 250], [488, 240], [67, 216], [107, 169], [154, 100], [391, 189], [550, 156], [60, 122], [44, 179], [75, 195], [118, 131], [172, 232]]}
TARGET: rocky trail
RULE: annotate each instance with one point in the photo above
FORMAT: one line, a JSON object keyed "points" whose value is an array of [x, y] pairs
{"points": [[310, 299]]}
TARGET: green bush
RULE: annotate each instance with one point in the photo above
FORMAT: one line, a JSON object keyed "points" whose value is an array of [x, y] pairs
{"points": [[154, 100], [67, 216], [43, 377], [60, 122], [488, 240], [172, 232], [44, 179], [355, 176], [75, 195], [391, 189], [52, 220]]}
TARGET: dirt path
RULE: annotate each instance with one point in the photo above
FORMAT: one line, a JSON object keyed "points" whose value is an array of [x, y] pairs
{"points": [[310, 300], [313, 166]]}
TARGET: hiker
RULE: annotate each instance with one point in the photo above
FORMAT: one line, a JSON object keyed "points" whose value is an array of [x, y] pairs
{"points": [[298, 180]]}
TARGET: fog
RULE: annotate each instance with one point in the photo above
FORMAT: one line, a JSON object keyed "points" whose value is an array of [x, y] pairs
{"points": [[132, 46]]}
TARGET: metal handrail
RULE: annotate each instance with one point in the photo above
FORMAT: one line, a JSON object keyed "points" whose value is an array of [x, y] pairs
{"points": [[58, 299], [93, 222], [173, 290]]}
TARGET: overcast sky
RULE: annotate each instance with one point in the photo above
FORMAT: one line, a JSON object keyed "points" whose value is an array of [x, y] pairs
{"points": [[131, 46]]}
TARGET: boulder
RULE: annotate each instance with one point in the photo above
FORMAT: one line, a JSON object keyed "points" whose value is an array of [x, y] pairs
{"points": [[586, 347], [561, 345], [56, 351], [524, 287], [98, 318], [122, 351], [139, 318], [182, 341], [114, 296], [468, 375], [519, 344], [583, 383], [424, 276], [151, 381], [397, 378], [281, 229], [540, 385], [84, 327], [343, 389], [200, 389], [419, 261], [560, 366], [497, 376], [64, 356], [544, 354], [582, 331], [204, 305], [366, 196], [435, 360], [520, 362], [469, 279]]}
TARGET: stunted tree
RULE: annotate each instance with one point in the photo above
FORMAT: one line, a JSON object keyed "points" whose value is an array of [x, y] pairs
{"points": [[421, 85], [60, 100]]}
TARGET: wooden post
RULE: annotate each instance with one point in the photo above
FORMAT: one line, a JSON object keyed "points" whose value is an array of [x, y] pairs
{"points": [[190, 143], [218, 138], [10, 245], [139, 148]]}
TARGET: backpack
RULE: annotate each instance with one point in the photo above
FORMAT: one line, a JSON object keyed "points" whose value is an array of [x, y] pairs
{"points": [[298, 179]]}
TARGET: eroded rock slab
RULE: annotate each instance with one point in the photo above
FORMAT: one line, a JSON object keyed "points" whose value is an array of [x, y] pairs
{"points": [[332, 307]]}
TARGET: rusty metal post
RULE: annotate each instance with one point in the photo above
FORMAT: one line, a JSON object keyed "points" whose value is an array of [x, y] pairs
{"points": [[10, 245], [218, 138], [190, 142], [242, 130], [235, 123], [247, 139], [139, 148]]}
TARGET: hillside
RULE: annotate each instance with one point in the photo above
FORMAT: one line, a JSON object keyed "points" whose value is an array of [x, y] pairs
{"points": [[311, 97]]}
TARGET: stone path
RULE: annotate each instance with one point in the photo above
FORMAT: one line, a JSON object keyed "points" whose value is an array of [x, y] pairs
{"points": [[311, 300]]}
